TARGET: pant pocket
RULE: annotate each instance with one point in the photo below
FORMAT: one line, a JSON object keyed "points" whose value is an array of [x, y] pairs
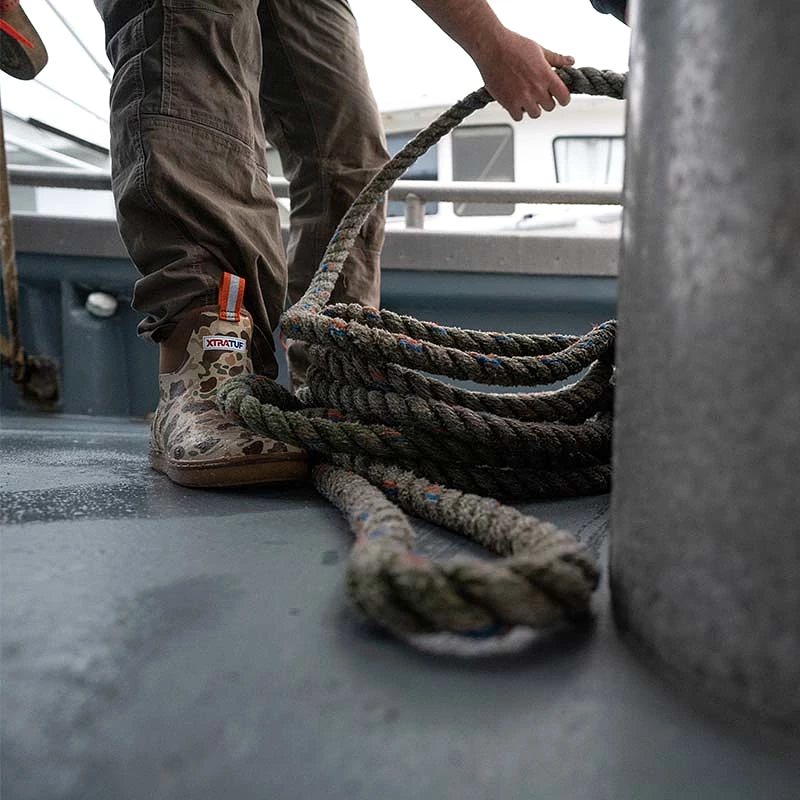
{"points": [[212, 66]]}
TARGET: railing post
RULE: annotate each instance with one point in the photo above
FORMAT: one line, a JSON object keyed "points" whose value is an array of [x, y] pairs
{"points": [[415, 211], [705, 555]]}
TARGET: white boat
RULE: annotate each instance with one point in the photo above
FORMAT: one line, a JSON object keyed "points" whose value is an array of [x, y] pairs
{"points": [[581, 145]]}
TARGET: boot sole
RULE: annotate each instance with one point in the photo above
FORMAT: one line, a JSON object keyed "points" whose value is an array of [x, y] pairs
{"points": [[224, 474], [17, 60]]}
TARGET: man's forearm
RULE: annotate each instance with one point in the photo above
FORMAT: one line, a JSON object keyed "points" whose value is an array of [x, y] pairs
{"points": [[516, 70], [470, 23]]}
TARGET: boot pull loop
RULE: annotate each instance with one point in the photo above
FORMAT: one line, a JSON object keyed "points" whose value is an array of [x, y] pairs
{"points": [[231, 292]]}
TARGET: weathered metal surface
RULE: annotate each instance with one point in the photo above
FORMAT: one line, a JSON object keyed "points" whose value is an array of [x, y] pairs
{"points": [[706, 552]]}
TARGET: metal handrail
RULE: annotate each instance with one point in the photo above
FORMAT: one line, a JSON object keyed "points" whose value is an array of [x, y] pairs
{"points": [[506, 192], [59, 178], [420, 191]]}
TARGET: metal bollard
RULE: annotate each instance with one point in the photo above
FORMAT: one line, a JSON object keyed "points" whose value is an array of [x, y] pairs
{"points": [[705, 553]]}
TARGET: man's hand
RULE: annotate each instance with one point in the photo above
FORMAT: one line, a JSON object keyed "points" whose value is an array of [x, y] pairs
{"points": [[516, 70], [519, 74]]}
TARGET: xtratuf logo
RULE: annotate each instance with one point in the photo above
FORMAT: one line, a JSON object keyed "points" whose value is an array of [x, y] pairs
{"points": [[224, 343]]}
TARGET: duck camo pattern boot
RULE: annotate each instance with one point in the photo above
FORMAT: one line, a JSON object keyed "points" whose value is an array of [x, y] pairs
{"points": [[191, 440]]}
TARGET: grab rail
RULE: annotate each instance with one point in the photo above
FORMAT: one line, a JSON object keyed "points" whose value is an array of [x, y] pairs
{"points": [[446, 191]]}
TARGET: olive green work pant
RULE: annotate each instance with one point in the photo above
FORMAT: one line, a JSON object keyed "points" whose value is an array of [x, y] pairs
{"points": [[199, 88]]}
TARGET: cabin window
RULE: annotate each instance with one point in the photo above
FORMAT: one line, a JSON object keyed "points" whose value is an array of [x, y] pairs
{"points": [[589, 159], [483, 153], [425, 168]]}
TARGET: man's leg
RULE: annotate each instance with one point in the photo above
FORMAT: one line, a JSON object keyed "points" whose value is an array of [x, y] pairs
{"points": [[188, 160], [193, 205], [320, 114]]}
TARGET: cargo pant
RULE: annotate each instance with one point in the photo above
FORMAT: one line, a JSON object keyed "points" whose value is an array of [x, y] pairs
{"points": [[199, 88]]}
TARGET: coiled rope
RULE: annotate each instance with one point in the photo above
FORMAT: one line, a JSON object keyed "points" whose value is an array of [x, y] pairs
{"points": [[388, 436]]}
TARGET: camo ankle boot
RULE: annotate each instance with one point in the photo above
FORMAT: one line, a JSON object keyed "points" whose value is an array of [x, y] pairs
{"points": [[191, 440]]}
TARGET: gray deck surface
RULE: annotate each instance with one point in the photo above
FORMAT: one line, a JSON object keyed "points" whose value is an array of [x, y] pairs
{"points": [[160, 642]]}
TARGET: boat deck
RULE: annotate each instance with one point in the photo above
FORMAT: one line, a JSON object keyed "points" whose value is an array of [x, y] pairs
{"points": [[161, 642]]}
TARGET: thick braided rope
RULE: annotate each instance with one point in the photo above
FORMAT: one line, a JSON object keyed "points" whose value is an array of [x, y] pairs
{"points": [[379, 422]]}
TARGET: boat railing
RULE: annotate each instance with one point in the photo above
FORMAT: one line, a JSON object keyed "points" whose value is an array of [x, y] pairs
{"points": [[509, 249], [453, 191]]}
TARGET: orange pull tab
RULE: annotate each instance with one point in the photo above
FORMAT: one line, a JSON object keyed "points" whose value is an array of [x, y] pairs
{"points": [[231, 292]]}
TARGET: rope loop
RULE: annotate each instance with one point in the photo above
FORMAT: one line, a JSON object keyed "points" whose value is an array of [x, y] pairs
{"points": [[390, 438]]}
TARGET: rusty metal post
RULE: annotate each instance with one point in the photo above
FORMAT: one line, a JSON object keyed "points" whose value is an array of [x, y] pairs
{"points": [[37, 376]]}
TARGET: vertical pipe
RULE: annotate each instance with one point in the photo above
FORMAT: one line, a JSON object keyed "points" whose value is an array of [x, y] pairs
{"points": [[11, 348], [705, 561], [415, 211]]}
